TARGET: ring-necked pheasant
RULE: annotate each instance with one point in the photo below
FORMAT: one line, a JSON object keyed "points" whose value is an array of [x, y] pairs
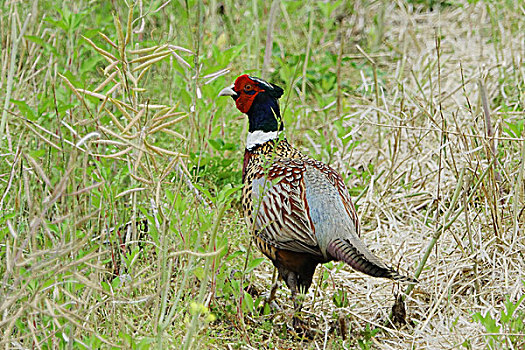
{"points": [[298, 208]]}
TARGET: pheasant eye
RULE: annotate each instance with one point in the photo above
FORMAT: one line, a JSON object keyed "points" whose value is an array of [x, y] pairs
{"points": [[248, 87]]}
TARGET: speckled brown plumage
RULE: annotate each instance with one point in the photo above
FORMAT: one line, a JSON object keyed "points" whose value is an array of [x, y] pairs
{"points": [[280, 222], [279, 162]]}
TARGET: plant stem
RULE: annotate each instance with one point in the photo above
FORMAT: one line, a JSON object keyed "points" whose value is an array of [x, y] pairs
{"points": [[15, 40], [269, 39], [447, 224]]}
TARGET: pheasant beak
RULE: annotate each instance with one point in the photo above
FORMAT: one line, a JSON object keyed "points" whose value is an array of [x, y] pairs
{"points": [[228, 91]]}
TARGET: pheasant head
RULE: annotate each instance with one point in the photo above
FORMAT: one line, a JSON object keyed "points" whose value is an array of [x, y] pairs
{"points": [[259, 100]]}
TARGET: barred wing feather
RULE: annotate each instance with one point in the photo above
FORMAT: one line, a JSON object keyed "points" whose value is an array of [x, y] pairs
{"points": [[280, 208]]}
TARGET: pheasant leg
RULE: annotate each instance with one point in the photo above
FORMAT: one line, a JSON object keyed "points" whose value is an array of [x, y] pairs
{"points": [[291, 281]]}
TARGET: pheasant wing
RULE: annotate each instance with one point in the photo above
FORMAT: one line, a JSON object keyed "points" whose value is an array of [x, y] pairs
{"points": [[281, 210]]}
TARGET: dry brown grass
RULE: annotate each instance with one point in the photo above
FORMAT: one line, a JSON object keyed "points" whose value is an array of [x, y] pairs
{"points": [[433, 128]]}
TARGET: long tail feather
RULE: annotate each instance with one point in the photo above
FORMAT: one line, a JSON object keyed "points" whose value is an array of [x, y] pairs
{"points": [[355, 254]]}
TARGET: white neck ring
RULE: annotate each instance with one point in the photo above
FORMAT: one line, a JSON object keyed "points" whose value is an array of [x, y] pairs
{"points": [[258, 137]]}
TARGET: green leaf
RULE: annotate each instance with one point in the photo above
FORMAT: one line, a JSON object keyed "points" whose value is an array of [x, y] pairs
{"points": [[234, 255], [225, 195], [36, 154], [340, 298], [253, 264], [115, 283], [248, 301], [105, 285], [510, 307], [72, 78], [515, 129], [126, 337], [47, 46], [487, 321], [199, 273], [266, 310], [204, 191], [57, 23], [27, 111], [217, 144], [235, 284]]}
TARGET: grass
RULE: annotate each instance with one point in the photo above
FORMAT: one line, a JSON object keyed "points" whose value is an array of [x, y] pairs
{"points": [[110, 116]]}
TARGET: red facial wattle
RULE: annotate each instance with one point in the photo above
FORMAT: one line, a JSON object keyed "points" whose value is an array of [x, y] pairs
{"points": [[244, 102], [247, 89]]}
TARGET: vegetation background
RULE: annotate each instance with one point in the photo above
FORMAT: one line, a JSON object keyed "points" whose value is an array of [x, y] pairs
{"points": [[110, 116]]}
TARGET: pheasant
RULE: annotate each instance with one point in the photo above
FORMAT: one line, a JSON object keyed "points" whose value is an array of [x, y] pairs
{"points": [[298, 208]]}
